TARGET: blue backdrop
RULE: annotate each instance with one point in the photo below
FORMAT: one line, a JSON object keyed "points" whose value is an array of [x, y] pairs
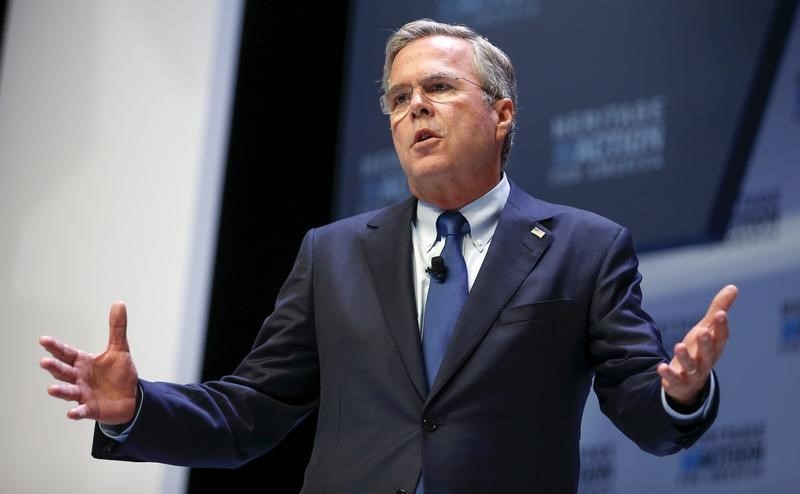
{"points": [[681, 120]]}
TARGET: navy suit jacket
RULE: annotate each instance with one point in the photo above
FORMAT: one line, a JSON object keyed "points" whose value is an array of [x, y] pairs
{"points": [[547, 313]]}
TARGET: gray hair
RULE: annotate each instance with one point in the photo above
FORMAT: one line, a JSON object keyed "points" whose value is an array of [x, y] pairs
{"points": [[492, 65]]}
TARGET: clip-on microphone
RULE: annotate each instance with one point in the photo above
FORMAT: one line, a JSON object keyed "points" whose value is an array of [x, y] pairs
{"points": [[438, 270]]}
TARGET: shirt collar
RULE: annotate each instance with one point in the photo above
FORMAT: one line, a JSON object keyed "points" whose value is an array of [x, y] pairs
{"points": [[482, 214]]}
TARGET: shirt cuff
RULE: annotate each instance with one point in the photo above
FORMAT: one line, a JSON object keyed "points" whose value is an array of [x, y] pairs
{"points": [[120, 432], [697, 415]]}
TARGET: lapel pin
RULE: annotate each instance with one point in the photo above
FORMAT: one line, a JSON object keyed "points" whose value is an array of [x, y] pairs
{"points": [[538, 232]]}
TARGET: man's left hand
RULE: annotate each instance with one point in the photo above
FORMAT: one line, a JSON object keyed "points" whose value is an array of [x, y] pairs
{"points": [[686, 375]]}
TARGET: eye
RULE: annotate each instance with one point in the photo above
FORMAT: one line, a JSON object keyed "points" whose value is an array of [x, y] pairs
{"points": [[399, 99], [438, 87]]}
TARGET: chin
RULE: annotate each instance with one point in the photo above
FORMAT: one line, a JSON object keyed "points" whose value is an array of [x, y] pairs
{"points": [[428, 166]]}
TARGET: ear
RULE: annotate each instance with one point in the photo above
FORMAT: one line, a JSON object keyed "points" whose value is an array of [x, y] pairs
{"points": [[505, 116]]}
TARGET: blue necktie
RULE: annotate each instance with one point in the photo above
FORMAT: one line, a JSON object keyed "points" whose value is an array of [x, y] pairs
{"points": [[446, 294]]}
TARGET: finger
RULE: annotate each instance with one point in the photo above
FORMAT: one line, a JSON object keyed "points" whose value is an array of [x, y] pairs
{"points": [[666, 372], [59, 350], [118, 326], [68, 392], [688, 364], [722, 301], [705, 358], [79, 412], [59, 370], [669, 377], [706, 351], [720, 329]]}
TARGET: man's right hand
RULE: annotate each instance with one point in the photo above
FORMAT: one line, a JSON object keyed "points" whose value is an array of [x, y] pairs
{"points": [[104, 385]]}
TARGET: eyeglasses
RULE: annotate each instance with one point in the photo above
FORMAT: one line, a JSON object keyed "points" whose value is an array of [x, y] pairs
{"points": [[437, 88]]}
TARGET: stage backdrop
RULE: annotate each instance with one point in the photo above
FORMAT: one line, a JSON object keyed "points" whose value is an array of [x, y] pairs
{"points": [[680, 120], [752, 447], [650, 101]]}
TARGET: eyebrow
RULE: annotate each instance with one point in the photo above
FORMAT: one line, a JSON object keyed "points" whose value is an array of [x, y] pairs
{"points": [[434, 75]]}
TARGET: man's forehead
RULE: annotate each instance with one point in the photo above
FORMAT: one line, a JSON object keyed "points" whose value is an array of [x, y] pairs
{"points": [[434, 46], [429, 56]]}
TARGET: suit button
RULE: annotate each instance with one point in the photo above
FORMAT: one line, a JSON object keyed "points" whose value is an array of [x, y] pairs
{"points": [[400, 491], [430, 425]]}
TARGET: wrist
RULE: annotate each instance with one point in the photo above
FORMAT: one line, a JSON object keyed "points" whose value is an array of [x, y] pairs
{"points": [[692, 403]]}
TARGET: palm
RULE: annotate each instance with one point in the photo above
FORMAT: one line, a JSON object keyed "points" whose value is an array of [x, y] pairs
{"points": [[104, 385]]}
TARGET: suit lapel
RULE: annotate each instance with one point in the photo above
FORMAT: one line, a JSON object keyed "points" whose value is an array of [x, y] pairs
{"points": [[388, 251], [513, 253]]}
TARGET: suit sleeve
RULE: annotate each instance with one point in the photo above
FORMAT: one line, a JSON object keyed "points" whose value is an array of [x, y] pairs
{"points": [[626, 348], [228, 422]]}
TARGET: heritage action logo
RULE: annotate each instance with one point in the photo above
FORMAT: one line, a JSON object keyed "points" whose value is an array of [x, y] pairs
{"points": [[488, 13], [380, 180], [612, 141], [731, 452], [790, 329], [756, 218], [598, 471]]}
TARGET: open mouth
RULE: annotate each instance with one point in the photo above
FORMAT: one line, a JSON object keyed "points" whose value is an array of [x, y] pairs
{"points": [[423, 135]]}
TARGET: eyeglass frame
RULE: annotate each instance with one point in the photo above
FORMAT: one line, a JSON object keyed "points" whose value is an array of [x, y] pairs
{"points": [[394, 114]]}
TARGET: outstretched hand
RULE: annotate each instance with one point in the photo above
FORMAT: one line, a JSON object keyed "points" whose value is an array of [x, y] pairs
{"points": [[686, 375], [104, 385]]}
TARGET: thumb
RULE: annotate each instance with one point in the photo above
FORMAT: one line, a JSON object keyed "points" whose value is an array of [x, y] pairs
{"points": [[723, 300], [118, 326]]}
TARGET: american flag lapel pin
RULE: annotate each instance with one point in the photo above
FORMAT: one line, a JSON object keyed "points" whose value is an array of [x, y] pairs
{"points": [[538, 232]]}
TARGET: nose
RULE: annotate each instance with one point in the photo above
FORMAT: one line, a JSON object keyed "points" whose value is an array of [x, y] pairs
{"points": [[419, 104]]}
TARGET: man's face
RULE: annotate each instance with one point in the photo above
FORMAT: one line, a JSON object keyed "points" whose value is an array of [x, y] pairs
{"points": [[449, 151]]}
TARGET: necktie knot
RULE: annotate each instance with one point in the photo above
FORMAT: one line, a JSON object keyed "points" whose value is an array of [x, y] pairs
{"points": [[451, 223]]}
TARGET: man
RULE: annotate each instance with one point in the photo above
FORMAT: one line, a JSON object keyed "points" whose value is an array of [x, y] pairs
{"points": [[449, 341]]}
